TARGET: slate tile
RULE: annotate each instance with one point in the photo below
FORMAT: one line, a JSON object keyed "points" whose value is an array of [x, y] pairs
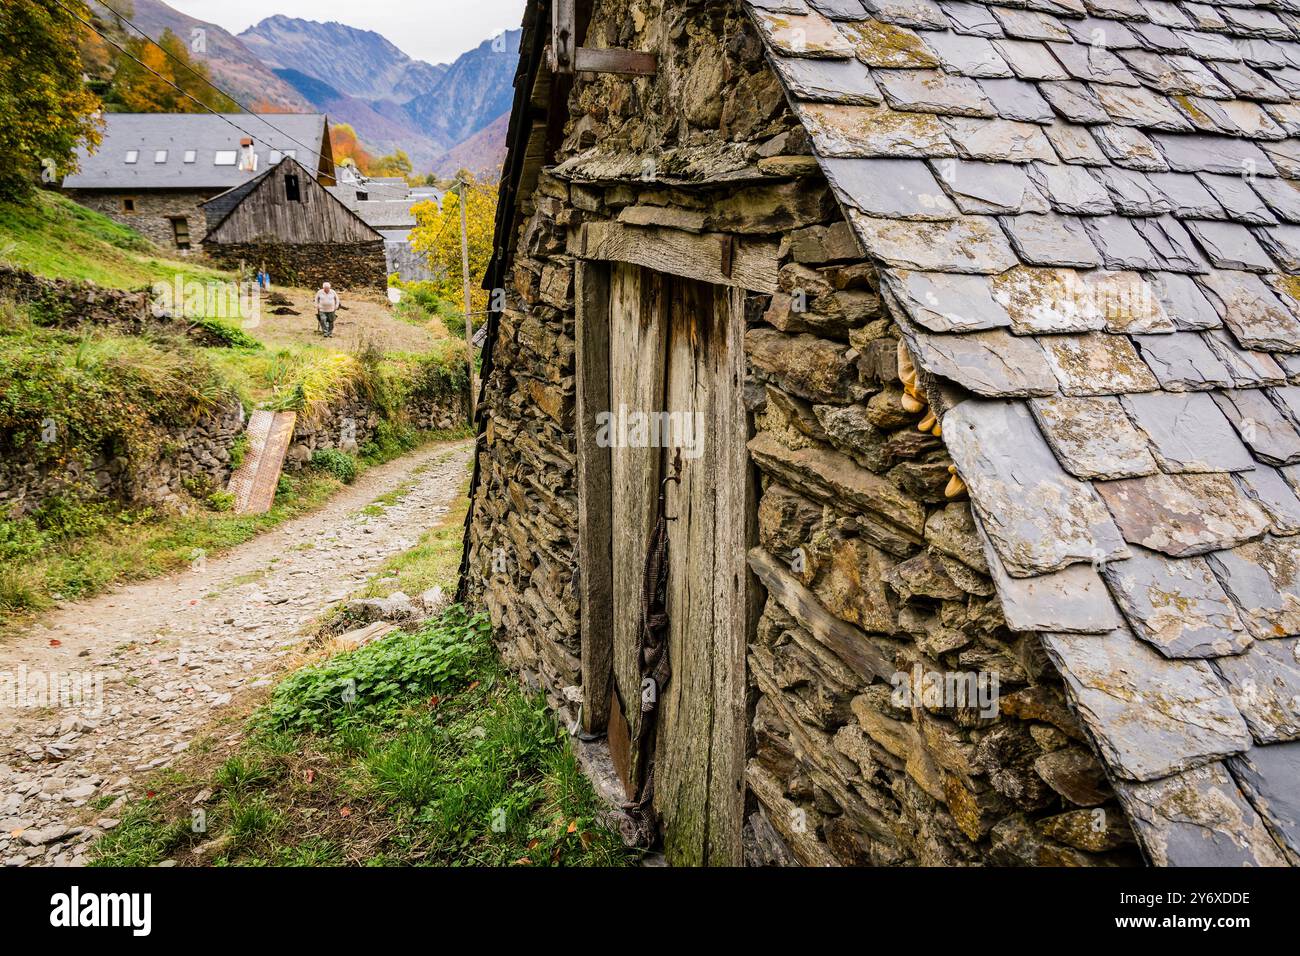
{"points": [[1248, 367], [1074, 144], [1038, 517], [1263, 426], [1286, 115], [1198, 818], [1184, 301], [933, 91], [839, 9], [1209, 46], [1248, 83], [1250, 309], [940, 302], [1198, 153], [1074, 101], [1285, 157], [1230, 245], [1051, 240], [1095, 31], [1167, 14], [1051, 300], [1256, 22], [1174, 74], [888, 45], [1183, 515], [1116, 9], [1182, 362], [1130, 148], [1097, 363], [810, 35], [1071, 189], [1205, 17], [1234, 194], [1264, 684], [1188, 194], [1288, 399], [989, 188], [1282, 243], [998, 140], [1138, 106], [1072, 601], [973, 19], [1121, 245], [991, 363], [1017, 100], [1130, 303], [828, 81], [895, 188], [1229, 117], [1268, 489], [1267, 776], [1187, 431], [1093, 437], [1030, 25], [1280, 195], [1172, 245], [1150, 716], [1176, 605], [1157, 37], [869, 131], [1030, 60], [1133, 193], [971, 244], [1093, 63], [968, 55], [913, 13], [1263, 579]]}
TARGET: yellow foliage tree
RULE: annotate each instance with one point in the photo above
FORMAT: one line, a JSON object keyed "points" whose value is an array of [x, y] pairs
{"points": [[437, 236]]}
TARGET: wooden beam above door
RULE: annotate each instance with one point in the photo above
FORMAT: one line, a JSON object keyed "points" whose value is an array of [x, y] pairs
{"points": [[565, 56], [718, 258]]}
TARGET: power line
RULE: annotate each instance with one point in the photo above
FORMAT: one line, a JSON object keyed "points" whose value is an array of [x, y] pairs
{"points": [[221, 116], [208, 80]]}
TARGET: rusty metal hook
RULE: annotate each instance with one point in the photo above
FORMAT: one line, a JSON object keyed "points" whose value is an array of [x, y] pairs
{"points": [[663, 485]]}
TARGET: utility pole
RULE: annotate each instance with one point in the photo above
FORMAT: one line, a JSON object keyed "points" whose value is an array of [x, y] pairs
{"points": [[469, 325]]}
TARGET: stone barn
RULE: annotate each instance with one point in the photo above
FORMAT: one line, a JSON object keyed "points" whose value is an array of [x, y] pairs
{"points": [[953, 350], [291, 224]]}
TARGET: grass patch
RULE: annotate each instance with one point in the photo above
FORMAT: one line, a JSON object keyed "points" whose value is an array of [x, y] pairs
{"points": [[54, 236], [431, 755]]}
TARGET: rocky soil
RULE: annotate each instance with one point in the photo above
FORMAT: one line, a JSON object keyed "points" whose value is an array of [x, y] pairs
{"points": [[174, 652]]}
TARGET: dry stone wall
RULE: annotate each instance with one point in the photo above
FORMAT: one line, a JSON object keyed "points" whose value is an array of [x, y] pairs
{"points": [[345, 265], [880, 610]]}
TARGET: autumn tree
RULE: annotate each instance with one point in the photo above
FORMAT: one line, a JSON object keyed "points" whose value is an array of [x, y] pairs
{"points": [[395, 164], [45, 109], [437, 236], [163, 77], [347, 146]]}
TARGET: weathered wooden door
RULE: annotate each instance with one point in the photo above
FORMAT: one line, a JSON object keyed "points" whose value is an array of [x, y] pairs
{"points": [[675, 375]]}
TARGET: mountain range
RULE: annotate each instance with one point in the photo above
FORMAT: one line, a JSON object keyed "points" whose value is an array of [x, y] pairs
{"points": [[444, 116]]}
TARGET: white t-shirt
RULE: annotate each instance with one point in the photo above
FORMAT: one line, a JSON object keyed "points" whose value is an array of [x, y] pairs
{"points": [[327, 301]]}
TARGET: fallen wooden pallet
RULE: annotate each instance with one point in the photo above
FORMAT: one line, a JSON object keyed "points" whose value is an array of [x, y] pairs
{"points": [[254, 482]]}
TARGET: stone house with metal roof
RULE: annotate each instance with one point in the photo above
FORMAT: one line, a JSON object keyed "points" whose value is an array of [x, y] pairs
{"points": [[890, 427], [388, 204], [154, 171]]}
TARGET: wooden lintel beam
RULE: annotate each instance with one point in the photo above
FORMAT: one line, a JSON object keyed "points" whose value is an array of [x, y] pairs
{"points": [[608, 60]]}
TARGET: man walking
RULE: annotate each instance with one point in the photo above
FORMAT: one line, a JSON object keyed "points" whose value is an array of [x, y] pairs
{"points": [[327, 303]]}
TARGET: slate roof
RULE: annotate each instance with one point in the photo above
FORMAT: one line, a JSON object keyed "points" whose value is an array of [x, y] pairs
{"points": [[1087, 218], [301, 134]]}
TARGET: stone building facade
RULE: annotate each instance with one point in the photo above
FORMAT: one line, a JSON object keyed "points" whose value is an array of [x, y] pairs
{"points": [[158, 215], [1007, 392]]}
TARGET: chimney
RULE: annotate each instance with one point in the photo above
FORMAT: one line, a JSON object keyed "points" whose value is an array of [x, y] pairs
{"points": [[247, 156]]}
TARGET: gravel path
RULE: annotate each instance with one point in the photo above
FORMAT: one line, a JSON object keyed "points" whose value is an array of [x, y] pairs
{"points": [[158, 660]]}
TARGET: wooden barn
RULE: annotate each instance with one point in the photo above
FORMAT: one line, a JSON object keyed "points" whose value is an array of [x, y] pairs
{"points": [[288, 222], [890, 426]]}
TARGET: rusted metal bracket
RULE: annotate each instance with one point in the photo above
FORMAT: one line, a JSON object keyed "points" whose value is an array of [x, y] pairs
{"points": [[566, 56]]}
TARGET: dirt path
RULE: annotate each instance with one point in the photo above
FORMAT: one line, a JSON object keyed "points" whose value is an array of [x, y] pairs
{"points": [[170, 653], [367, 316]]}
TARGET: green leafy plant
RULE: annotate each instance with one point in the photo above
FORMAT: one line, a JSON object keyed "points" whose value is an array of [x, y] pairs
{"points": [[334, 462]]}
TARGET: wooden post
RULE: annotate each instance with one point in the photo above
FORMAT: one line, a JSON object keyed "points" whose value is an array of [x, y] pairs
{"points": [[469, 322]]}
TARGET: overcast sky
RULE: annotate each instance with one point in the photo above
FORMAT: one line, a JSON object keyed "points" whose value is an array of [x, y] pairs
{"points": [[433, 30]]}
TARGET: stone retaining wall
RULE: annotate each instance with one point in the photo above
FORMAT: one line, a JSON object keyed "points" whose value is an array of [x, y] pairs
{"points": [[888, 578], [351, 265]]}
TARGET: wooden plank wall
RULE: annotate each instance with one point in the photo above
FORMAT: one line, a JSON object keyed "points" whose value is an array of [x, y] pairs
{"points": [[265, 214]]}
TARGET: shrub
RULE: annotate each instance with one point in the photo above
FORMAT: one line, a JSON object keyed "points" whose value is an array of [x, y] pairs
{"points": [[221, 501], [334, 462], [218, 333], [379, 679]]}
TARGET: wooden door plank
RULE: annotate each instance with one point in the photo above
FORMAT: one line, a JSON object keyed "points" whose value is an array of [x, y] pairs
{"points": [[637, 362], [682, 761], [595, 556]]}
